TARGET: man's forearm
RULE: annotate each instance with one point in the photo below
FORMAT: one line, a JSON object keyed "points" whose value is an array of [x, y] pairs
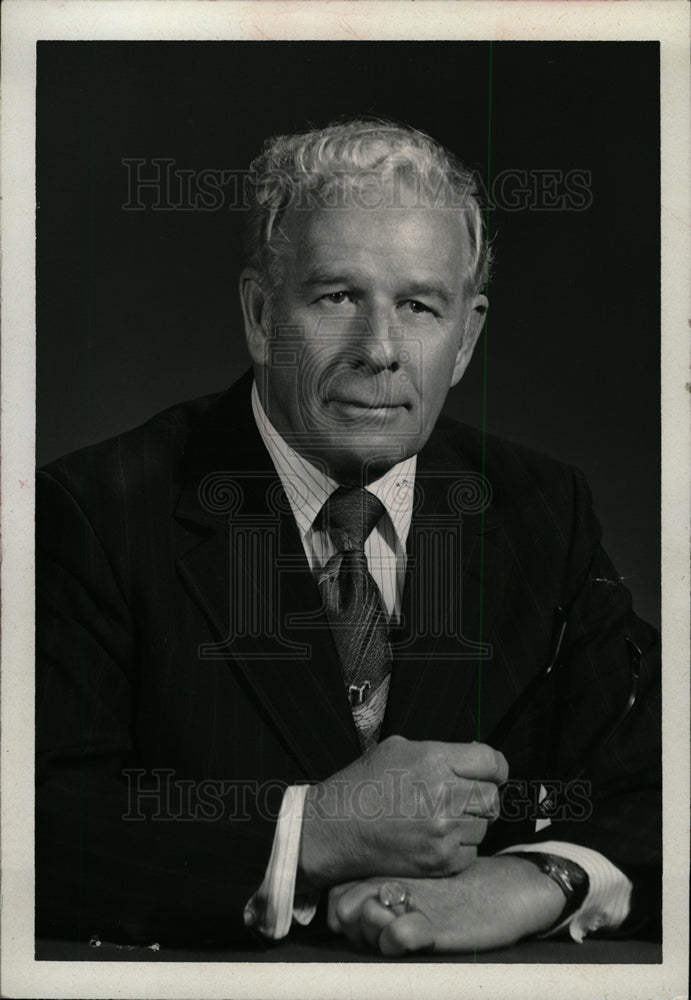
{"points": [[606, 903], [495, 902], [154, 878]]}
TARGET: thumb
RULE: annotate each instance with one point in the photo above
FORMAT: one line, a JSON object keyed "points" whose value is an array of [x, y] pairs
{"points": [[407, 933], [477, 761]]}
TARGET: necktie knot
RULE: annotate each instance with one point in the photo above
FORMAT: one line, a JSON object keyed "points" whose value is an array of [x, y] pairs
{"points": [[349, 516]]}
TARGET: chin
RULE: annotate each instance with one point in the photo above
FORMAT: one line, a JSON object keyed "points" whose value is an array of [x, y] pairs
{"points": [[364, 461]]}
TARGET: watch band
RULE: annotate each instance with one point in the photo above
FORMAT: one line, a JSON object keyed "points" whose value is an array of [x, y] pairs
{"points": [[569, 876]]}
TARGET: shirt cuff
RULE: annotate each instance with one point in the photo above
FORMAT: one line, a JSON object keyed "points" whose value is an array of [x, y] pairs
{"points": [[274, 905], [608, 901]]}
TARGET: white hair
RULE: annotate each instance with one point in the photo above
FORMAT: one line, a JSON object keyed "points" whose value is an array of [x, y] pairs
{"points": [[313, 169]]}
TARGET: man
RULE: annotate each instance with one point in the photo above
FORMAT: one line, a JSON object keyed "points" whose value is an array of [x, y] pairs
{"points": [[293, 639]]}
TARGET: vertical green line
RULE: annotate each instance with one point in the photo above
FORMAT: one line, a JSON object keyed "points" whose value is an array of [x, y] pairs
{"points": [[484, 399], [484, 377]]}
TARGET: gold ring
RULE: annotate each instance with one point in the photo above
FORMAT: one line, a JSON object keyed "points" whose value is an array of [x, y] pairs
{"points": [[392, 894]]}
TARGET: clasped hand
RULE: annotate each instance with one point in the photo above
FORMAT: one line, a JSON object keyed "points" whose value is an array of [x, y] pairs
{"points": [[405, 808], [493, 903], [416, 811]]}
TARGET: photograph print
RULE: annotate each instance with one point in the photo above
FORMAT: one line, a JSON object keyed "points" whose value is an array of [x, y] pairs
{"points": [[348, 502]]}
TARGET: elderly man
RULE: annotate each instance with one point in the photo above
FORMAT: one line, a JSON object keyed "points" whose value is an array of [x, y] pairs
{"points": [[293, 639]]}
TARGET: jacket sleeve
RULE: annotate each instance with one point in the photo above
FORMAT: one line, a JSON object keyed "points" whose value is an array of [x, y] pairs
{"points": [[108, 863], [603, 765]]}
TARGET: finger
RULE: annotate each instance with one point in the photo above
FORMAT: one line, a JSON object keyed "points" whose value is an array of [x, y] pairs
{"points": [[463, 797], [460, 857], [478, 761], [470, 830], [476, 798], [335, 893], [409, 933], [374, 917], [347, 910]]}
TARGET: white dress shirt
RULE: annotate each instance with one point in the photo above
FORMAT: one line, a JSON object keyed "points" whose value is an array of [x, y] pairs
{"points": [[275, 905]]}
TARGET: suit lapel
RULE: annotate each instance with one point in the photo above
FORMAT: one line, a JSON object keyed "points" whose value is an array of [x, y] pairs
{"points": [[243, 563], [453, 591], [250, 576]]}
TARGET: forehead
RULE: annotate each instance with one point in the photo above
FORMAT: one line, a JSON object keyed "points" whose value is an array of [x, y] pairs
{"points": [[385, 239]]}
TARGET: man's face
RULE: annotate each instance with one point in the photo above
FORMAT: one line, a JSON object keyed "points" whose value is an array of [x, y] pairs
{"points": [[365, 335]]}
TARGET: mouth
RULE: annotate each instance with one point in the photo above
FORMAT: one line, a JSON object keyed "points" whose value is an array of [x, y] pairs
{"points": [[367, 399], [362, 404], [357, 410], [373, 397]]}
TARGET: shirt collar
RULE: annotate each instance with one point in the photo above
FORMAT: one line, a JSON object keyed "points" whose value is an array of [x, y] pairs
{"points": [[308, 488]]}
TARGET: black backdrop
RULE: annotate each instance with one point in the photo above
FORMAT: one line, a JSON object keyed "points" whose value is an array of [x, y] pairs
{"points": [[138, 309]]}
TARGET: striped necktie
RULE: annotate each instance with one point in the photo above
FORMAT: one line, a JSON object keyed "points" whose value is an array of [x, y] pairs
{"points": [[354, 608]]}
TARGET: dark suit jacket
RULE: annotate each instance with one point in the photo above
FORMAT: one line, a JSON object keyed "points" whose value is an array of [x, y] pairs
{"points": [[182, 651]]}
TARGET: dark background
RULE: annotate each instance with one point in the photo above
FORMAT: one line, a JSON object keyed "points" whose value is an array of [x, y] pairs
{"points": [[138, 310]]}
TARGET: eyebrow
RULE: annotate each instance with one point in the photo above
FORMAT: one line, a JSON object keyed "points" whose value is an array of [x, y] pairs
{"points": [[438, 289], [318, 277]]}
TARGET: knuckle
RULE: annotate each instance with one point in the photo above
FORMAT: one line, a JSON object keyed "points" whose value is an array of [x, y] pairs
{"points": [[503, 764], [432, 752], [394, 745], [395, 740], [493, 760], [490, 759], [442, 827]]}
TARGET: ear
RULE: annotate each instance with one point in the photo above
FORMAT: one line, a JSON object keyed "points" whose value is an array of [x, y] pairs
{"points": [[474, 322], [255, 310]]}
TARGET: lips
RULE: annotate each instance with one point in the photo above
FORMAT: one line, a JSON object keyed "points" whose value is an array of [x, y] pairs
{"points": [[359, 404], [370, 394]]}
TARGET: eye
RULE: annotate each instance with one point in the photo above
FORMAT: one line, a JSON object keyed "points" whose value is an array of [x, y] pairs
{"points": [[337, 298], [419, 308]]}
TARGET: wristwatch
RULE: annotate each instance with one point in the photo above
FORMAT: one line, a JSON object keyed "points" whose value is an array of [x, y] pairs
{"points": [[568, 875]]}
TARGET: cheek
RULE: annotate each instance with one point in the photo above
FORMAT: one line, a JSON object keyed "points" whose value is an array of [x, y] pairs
{"points": [[300, 374], [307, 342], [287, 311], [435, 371]]}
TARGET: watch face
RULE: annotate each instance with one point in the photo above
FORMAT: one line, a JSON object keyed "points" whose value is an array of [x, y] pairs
{"points": [[566, 873]]}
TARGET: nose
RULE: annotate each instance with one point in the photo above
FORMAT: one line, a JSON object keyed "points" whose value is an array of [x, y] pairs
{"points": [[379, 341]]}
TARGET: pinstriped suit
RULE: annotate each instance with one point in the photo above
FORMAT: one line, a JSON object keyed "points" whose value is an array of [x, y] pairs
{"points": [[145, 662]]}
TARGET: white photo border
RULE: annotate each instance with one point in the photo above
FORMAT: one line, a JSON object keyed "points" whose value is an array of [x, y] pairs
{"points": [[26, 21]]}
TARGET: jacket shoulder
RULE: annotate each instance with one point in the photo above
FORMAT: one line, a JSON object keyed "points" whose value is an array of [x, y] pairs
{"points": [[535, 496], [146, 457], [503, 461]]}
